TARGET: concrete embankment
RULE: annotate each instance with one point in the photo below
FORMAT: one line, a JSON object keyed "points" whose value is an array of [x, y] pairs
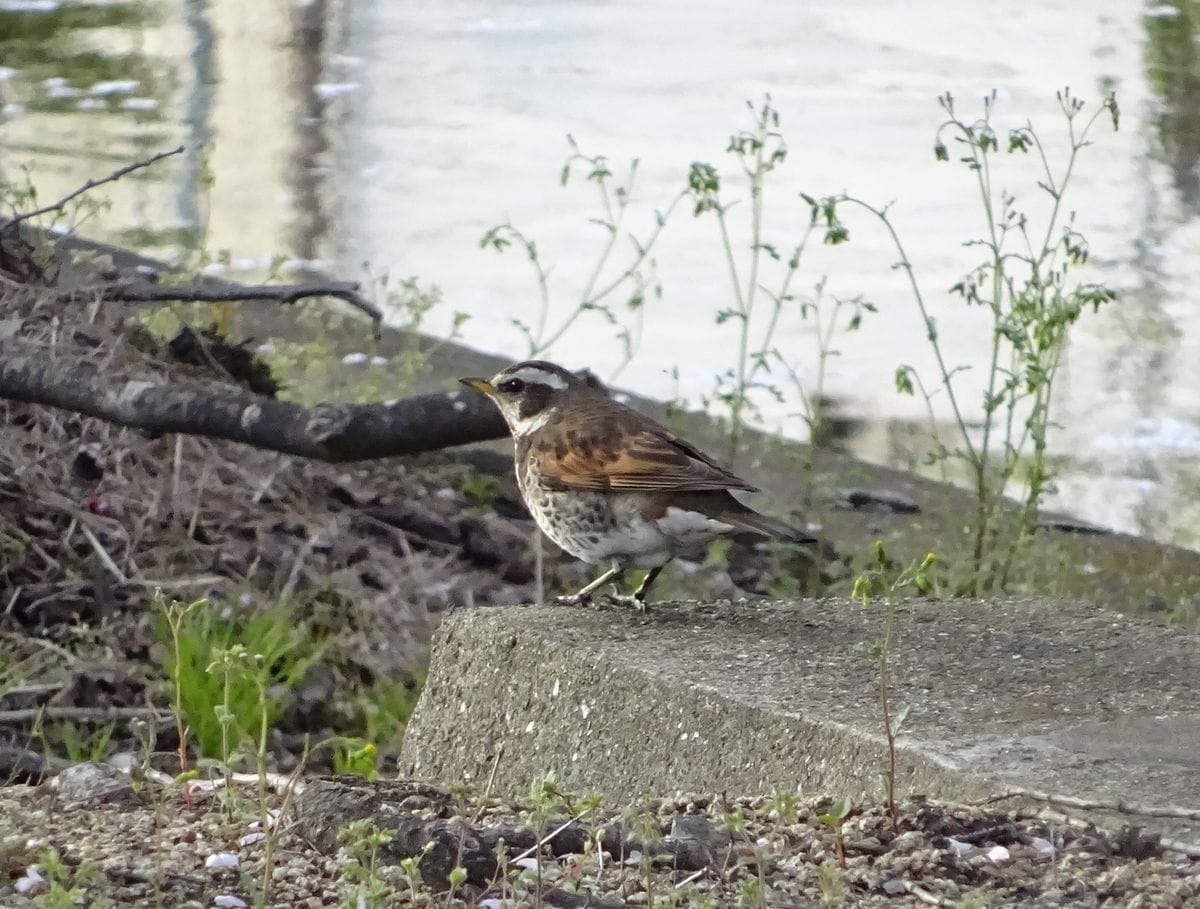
{"points": [[1045, 695]]}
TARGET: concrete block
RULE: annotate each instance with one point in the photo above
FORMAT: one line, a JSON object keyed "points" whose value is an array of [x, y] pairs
{"points": [[757, 697]]}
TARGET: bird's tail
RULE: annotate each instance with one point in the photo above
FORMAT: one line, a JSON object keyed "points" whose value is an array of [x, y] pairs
{"points": [[769, 527]]}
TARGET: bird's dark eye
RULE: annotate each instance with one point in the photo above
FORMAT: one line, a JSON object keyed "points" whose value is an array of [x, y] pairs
{"points": [[511, 386]]}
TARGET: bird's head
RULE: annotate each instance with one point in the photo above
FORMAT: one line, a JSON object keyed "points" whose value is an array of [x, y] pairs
{"points": [[528, 393]]}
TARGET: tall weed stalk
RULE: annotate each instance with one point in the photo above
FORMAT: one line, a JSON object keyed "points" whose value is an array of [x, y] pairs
{"points": [[1026, 282], [615, 271]]}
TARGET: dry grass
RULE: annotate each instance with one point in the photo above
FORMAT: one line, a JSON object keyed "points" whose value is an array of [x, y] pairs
{"points": [[94, 518]]}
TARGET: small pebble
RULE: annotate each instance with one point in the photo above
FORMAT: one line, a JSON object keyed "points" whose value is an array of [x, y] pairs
{"points": [[1044, 848], [907, 842], [959, 847], [31, 883], [999, 855], [114, 87]]}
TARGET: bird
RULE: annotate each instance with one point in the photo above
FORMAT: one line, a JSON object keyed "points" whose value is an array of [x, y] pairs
{"points": [[608, 484]]}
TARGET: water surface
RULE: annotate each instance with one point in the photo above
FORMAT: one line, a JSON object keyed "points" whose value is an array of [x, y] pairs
{"points": [[397, 134]]}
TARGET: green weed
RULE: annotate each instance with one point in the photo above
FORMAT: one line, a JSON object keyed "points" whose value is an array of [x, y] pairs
{"points": [[1026, 282], [643, 823], [833, 888], [881, 580], [362, 841], [67, 886], [79, 743], [757, 306], [356, 757], [225, 695], [783, 807], [834, 819]]}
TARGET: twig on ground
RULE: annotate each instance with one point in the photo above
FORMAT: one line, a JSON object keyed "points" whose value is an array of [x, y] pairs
{"points": [[1191, 850], [925, 896], [34, 545], [176, 470], [691, 877], [105, 559], [537, 846], [40, 643], [145, 292], [1070, 801], [282, 783], [293, 578], [87, 714], [90, 185], [487, 790], [35, 690], [171, 584]]}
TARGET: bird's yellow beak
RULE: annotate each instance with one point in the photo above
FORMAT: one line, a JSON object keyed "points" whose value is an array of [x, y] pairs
{"points": [[482, 385]]}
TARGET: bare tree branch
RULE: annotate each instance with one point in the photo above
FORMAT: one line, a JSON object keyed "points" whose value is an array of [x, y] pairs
{"points": [[327, 432], [146, 292], [90, 185]]}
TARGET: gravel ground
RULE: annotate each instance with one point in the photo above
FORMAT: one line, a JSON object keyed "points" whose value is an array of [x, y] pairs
{"points": [[149, 848]]}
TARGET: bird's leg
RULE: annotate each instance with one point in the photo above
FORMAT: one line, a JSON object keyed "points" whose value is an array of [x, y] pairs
{"points": [[644, 587], [584, 596], [638, 600]]}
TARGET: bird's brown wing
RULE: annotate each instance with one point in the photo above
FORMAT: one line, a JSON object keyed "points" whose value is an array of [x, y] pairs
{"points": [[634, 454]]}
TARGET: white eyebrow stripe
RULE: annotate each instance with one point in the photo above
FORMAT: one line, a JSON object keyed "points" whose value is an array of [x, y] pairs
{"points": [[531, 375]]}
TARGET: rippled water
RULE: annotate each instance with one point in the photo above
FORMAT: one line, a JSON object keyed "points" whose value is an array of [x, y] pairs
{"points": [[397, 134]]}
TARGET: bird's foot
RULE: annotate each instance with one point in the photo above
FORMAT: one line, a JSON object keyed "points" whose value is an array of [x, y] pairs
{"points": [[626, 601], [574, 599], [600, 600]]}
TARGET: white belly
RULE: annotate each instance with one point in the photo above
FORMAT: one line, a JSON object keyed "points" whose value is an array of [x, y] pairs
{"points": [[607, 528]]}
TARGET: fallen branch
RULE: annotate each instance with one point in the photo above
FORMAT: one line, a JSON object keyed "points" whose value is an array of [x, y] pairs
{"points": [[90, 185], [327, 432], [146, 292], [1070, 801]]}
